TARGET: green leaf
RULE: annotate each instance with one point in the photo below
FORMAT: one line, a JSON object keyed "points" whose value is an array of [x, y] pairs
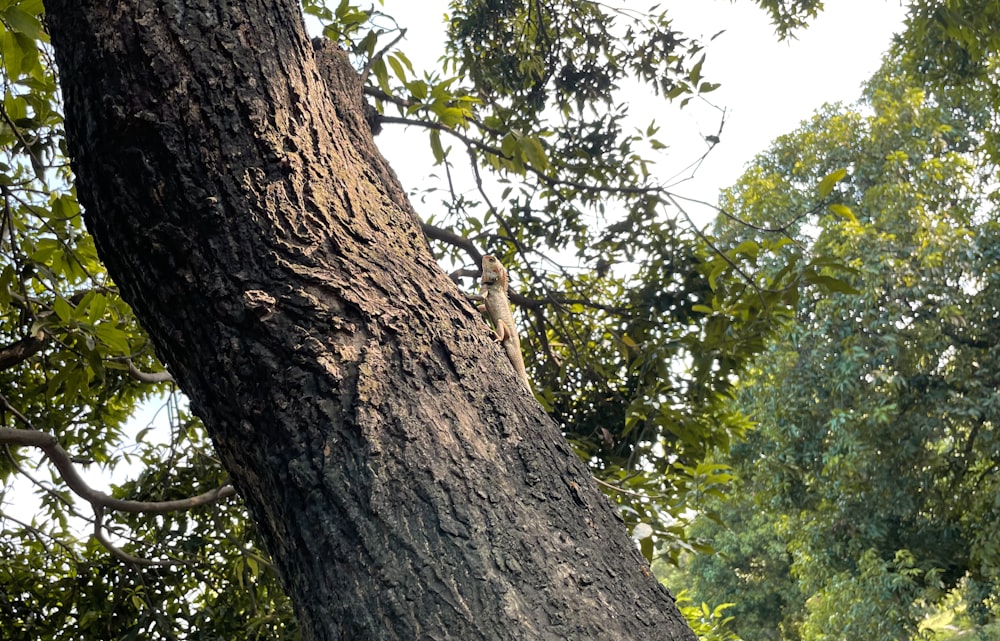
{"points": [[45, 248], [695, 74], [62, 309], [6, 281], [828, 182], [533, 150], [381, 75], [713, 276], [442, 90], [97, 305], [21, 22], [453, 116], [646, 547], [436, 148], [16, 107], [828, 283], [406, 61], [397, 68], [418, 89], [114, 338], [844, 212], [33, 8], [748, 248], [11, 52], [30, 65]]}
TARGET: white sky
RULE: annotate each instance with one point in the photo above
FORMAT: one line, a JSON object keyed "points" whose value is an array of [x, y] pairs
{"points": [[768, 87]]}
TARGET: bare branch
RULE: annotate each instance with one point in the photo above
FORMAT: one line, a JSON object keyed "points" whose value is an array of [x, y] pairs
{"points": [[61, 459], [64, 464], [378, 94], [451, 238], [22, 350]]}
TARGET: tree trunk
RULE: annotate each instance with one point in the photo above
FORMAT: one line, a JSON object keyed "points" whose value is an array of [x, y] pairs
{"points": [[407, 486]]}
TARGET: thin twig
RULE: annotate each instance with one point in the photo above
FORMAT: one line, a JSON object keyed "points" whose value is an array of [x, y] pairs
{"points": [[378, 54]]}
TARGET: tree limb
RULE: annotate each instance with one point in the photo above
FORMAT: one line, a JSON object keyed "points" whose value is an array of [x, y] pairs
{"points": [[61, 459], [21, 350], [453, 239]]}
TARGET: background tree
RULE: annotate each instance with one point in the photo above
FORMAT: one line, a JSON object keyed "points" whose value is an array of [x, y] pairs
{"points": [[868, 490]]}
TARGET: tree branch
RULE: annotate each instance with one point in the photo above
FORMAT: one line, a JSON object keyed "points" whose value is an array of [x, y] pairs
{"points": [[378, 94], [61, 459], [64, 464], [121, 554], [22, 350], [453, 239]]}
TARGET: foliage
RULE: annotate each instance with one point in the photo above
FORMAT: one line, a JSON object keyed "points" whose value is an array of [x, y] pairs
{"points": [[953, 49], [76, 365], [710, 624], [872, 465]]}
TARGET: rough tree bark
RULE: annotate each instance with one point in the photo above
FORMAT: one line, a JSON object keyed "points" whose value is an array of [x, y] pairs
{"points": [[407, 487]]}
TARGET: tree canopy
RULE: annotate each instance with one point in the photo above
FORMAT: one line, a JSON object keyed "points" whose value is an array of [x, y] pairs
{"points": [[868, 490]]}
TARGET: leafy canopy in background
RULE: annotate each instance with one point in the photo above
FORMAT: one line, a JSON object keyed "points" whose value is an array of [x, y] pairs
{"points": [[869, 486]]}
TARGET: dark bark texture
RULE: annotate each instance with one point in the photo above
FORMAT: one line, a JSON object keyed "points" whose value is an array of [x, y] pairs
{"points": [[407, 486]]}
